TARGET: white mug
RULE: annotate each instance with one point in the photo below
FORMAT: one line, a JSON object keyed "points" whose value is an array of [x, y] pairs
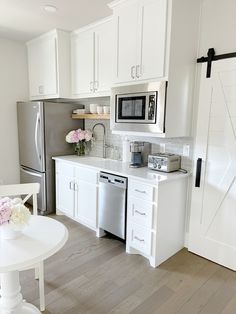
{"points": [[99, 109], [106, 109], [93, 108]]}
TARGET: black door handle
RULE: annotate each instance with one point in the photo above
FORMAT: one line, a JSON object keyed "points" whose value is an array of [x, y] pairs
{"points": [[198, 173]]}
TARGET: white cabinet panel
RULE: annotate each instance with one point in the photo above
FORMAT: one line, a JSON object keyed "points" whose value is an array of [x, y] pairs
{"points": [[82, 62], [140, 212], [87, 175], [42, 61], [49, 65], [76, 193], [65, 194], [140, 40], [104, 44], [126, 20], [92, 59], [156, 219], [86, 203], [141, 190], [152, 39], [140, 238]]}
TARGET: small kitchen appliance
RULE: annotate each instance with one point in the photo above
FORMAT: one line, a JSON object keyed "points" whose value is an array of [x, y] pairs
{"points": [[139, 154], [164, 162], [139, 108]]}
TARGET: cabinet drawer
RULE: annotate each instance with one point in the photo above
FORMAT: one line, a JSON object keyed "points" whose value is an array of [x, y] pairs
{"points": [[141, 190], [65, 169], [87, 175], [140, 212], [140, 238]]}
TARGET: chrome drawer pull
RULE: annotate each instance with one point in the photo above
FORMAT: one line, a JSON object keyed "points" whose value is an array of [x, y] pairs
{"points": [[140, 213], [139, 191], [140, 240]]}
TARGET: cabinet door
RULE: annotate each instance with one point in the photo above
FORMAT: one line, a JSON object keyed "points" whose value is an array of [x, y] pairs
{"points": [[86, 203], [104, 43], [151, 39], [82, 62], [65, 194], [126, 19], [42, 63]]}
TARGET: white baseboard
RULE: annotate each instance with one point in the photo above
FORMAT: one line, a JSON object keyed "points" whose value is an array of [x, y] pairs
{"points": [[186, 239]]}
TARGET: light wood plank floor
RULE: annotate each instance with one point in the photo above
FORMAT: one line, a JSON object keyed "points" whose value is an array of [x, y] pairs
{"points": [[96, 276]]}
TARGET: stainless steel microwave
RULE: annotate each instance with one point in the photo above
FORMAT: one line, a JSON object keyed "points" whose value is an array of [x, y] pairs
{"points": [[139, 108]]}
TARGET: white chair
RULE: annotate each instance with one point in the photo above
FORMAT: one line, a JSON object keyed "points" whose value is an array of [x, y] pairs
{"points": [[27, 190]]}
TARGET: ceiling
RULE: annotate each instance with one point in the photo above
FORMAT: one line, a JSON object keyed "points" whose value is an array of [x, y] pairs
{"points": [[25, 19]]}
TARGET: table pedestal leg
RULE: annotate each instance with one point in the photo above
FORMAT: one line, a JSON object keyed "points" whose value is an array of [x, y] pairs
{"points": [[11, 301]]}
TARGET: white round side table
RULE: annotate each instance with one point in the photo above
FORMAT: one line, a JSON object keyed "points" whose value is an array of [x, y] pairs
{"points": [[42, 238]]}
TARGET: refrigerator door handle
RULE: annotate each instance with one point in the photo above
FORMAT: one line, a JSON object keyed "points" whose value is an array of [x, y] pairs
{"points": [[36, 136], [32, 173]]}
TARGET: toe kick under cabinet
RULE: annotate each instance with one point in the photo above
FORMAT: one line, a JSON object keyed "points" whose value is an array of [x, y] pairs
{"points": [[156, 219]]}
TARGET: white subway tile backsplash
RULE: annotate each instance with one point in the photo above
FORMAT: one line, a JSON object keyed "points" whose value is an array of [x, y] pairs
{"points": [[115, 142]]}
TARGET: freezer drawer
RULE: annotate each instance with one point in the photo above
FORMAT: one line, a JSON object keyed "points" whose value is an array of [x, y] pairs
{"points": [[30, 176]]}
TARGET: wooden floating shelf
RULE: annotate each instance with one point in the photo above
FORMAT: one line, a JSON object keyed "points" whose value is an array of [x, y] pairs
{"points": [[92, 116]]}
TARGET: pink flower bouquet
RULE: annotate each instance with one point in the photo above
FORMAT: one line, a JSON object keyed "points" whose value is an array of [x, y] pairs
{"points": [[79, 138]]}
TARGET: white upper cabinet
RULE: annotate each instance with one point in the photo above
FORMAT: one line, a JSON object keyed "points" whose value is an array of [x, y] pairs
{"points": [[82, 46], [103, 57], [140, 39], [49, 66], [91, 51], [126, 22], [157, 40], [152, 39]]}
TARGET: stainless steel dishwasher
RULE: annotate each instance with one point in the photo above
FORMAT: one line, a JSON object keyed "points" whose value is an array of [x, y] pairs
{"points": [[112, 204]]}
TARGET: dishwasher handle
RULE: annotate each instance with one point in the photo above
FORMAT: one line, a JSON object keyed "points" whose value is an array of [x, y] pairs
{"points": [[114, 180]]}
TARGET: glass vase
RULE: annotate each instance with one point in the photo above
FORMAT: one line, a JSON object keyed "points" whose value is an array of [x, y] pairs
{"points": [[80, 148]]}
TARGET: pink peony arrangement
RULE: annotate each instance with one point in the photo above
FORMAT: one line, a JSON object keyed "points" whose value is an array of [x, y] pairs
{"points": [[80, 138], [13, 211], [79, 135]]}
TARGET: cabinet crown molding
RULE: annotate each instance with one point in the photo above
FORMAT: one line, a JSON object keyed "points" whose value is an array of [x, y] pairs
{"points": [[115, 3], [53, 32], [92, 25]]}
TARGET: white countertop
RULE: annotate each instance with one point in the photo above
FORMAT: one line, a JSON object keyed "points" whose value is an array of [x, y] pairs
{"points": [[123, 169]]}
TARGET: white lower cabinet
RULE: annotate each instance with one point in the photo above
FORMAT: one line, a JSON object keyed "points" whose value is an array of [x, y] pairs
{"points": [[156, 219], [65, 188], [155, 225], [86, 197], [140, 238], [77, 193]]}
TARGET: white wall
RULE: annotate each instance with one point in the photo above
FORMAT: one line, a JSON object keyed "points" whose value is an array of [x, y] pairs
{"points": [[13, 87], [218, 26]]}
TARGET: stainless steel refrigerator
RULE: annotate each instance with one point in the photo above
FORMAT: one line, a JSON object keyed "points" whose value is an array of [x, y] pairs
{"points": [[42, 127]]}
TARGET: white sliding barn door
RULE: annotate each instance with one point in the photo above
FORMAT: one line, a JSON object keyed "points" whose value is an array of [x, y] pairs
{"points": [[213, 212]]}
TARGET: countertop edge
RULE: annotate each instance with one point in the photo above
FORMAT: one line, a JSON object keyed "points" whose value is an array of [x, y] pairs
{"points": [[150, 181]]}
